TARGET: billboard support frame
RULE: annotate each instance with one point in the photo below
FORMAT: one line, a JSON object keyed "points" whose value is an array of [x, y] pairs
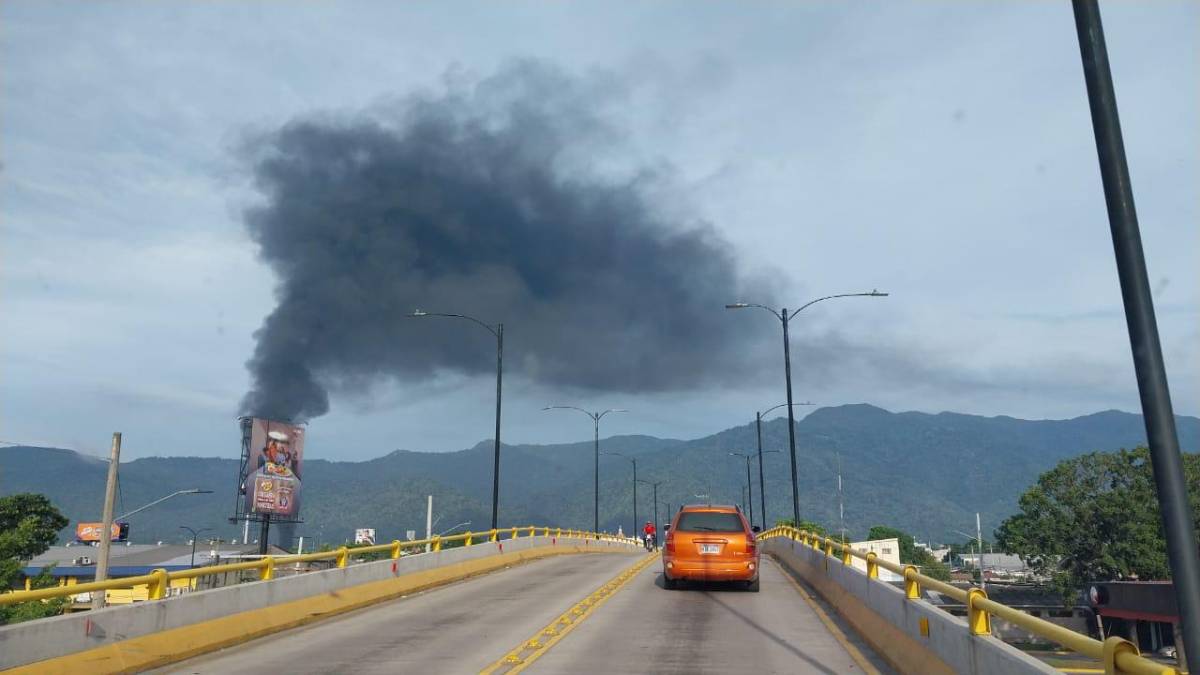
{"points": [[242, 514]]}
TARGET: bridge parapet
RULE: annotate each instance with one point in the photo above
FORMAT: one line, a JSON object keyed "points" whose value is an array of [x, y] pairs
{"points": [[170, 628], [917, 636]]}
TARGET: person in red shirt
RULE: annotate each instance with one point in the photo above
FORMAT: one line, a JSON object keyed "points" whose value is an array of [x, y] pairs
{"points": [[649, 535]]}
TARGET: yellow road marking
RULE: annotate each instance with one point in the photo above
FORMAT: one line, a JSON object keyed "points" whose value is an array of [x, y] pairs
{"points": [[837, 633], [177, 644], [531, 650]]}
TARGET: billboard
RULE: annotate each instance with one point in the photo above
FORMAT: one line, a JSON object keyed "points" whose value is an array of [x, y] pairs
{"points": [[364, 535], [274, 468], [91, 531]]}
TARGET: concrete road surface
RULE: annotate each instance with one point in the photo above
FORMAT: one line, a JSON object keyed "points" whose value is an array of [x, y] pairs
{"points": [[643, 628], [706, 629], [460, 628]]}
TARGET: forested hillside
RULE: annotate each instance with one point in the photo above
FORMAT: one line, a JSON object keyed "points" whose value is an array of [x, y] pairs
{"points": [[927, 474]]}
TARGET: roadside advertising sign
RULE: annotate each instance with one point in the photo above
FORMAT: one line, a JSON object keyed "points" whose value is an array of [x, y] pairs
{"points": [[274, 468], [91, 531], [365, 535]]}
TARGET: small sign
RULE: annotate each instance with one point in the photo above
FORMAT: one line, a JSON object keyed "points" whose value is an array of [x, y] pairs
{"points": [[411, 534]]}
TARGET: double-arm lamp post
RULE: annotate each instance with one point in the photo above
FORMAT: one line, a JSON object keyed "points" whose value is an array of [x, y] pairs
{"points": [[596, 421], [633, 461], [762, 492], [195, 535], [784, 317], [498, 331]]}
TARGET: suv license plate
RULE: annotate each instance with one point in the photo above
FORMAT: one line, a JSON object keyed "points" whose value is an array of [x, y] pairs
{"points": [[709, 549]]}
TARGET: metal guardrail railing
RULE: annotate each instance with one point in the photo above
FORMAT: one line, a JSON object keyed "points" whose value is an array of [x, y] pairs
{"points": [[159, 580], [1118, 654]]}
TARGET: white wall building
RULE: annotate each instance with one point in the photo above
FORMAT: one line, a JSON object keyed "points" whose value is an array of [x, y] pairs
{"points": [[885, 549]]}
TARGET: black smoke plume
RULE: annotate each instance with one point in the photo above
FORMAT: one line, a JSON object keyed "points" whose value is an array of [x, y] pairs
{"points": [[483, 200]]}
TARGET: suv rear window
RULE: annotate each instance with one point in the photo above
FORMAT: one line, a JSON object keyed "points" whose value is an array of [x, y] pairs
{"points": [[709, 521]]}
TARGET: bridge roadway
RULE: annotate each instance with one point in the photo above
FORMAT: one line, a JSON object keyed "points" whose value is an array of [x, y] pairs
{"points": [[643, 628]]}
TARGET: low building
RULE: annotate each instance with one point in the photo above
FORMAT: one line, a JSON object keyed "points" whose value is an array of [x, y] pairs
{"points": [[884, 549], [76, 564], [997, 565], [1143, 612]]}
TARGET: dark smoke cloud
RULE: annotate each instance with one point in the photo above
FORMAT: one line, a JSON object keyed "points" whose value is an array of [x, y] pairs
{"points": [[481, 201]]}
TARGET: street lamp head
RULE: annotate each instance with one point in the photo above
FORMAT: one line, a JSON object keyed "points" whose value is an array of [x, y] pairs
{"points": [[876, 294], [737, 305], [419, 312]]}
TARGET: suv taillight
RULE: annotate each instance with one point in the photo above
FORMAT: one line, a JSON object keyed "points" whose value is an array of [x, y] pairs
{"points": [[669, 546], [751, 544]]}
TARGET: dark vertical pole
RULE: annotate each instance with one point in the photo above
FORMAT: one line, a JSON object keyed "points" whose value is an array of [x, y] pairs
{"points": [[634, 531], [596, 520], [496, 461], [762, 493], [749, 491], [193, 562], [655, 507], [264, 533], [655, 487], [1139, 317], [787, 371]]}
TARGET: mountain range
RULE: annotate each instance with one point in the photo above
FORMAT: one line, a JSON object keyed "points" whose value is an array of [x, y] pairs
{"points": [[924, 473]]}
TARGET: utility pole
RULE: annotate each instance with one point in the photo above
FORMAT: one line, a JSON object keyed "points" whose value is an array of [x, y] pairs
{"points": [[110, 494], [979, 538]]}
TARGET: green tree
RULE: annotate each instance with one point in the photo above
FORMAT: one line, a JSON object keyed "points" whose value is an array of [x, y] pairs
{"points": [[29, 525], [1094, 517], [808, 525], [906, 540]]}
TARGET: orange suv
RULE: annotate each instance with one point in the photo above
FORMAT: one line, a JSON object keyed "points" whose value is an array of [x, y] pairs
{"points": [[710, 543]]}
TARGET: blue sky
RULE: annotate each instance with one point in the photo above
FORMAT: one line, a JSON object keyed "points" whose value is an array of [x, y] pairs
{"points": [[939, 151]]}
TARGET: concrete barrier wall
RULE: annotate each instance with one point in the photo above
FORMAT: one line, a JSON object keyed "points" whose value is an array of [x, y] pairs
{"points": [[913, 635], [35, 641]]}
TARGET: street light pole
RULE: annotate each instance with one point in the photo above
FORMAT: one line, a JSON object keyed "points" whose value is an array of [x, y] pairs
{"points": [[195, 536], [193, 491], [762, 490], [784, 317], [762, 496], [596, 416], [498, 332], [749, 490], [633, 461], [1158, 416]]}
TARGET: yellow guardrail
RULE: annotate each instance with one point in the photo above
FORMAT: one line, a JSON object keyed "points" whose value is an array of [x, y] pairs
{"points": [[1118, 654], [159, 580]]}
